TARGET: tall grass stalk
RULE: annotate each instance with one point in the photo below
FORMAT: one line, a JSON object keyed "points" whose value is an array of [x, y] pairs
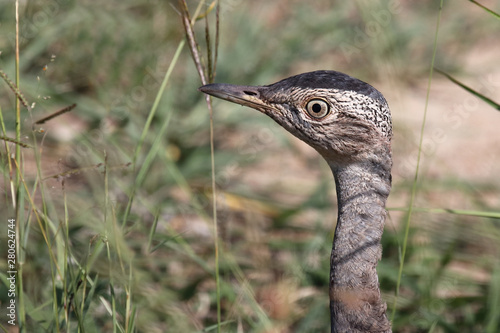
{"points": [[18, 199], [417, 168], [7, 151], [211, 63], [66, 257], [493, 315]]}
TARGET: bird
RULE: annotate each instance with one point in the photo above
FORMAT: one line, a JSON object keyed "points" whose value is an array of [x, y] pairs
{"points": [[348, 122]]}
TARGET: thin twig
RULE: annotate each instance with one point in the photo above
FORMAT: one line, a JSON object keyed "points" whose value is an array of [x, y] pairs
{"points": [[217, 12], [209, 50], [193, 46], [55, 114], [71, 172]]}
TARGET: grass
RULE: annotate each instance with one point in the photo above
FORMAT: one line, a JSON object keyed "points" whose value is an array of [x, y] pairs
{"points": [[417, 168], [115, 216]]}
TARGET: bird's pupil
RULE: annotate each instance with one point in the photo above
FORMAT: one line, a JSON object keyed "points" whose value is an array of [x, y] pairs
{"points": [[316, 108]]}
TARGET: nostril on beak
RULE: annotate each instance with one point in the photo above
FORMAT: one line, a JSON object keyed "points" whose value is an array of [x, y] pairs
{"points": [[251, 93]]}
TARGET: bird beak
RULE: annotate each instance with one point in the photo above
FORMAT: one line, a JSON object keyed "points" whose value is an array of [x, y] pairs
{"points": [[243, 95]]}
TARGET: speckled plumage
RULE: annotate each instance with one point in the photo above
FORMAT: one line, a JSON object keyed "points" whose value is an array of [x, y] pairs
{"points": [[354, 137]]}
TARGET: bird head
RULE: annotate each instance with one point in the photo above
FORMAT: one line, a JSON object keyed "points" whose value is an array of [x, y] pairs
{"points": [[343, 118]]}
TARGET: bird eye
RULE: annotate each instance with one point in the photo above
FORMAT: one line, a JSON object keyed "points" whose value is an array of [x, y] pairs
{"points": [[317, 108]]}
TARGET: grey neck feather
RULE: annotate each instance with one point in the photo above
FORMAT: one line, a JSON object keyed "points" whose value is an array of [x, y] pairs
{"points": [[362, 190]]}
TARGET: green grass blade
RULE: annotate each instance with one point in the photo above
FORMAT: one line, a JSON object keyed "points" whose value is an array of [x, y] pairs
{"points": [[493, 316], [486, 9], [472, 91], [475, 213], [148, 123]]}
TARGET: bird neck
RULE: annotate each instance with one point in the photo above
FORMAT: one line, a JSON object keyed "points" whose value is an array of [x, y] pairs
{"points": [[362, 191]]}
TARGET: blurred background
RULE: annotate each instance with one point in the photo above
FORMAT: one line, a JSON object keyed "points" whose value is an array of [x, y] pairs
{"points": [[115, 222]]}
